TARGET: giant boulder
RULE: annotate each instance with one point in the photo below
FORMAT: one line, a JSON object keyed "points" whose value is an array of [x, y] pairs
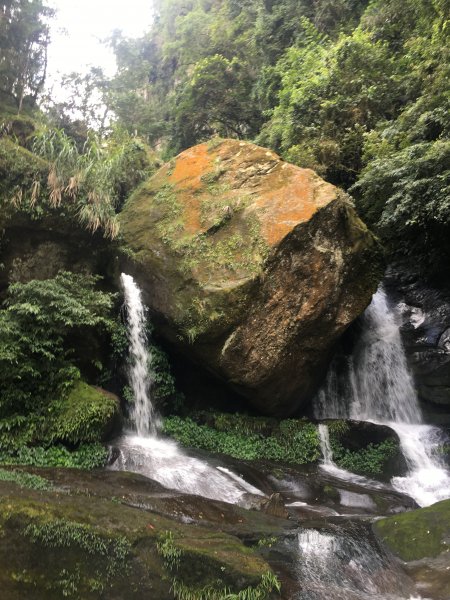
{"points": [[252, 266]]}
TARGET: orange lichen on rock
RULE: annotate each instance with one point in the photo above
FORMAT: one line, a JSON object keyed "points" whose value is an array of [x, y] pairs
{"points": [[190, 166], [292, 203]]}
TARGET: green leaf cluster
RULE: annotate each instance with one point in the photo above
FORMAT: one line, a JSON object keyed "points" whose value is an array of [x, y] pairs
{"points": [[370, 460], [42, 323], [86, 456], [291, 440]]}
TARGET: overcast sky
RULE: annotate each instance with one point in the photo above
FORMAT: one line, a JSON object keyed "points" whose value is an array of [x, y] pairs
{"points": [[86, 23]]}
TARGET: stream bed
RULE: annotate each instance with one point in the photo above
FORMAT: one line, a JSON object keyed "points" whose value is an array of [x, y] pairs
{"points": [[329, 550]]}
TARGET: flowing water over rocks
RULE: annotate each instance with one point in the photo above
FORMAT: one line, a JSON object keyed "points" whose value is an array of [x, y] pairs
{"points": [[378, 387], [141, 450], [328, 552], [346, 563]]}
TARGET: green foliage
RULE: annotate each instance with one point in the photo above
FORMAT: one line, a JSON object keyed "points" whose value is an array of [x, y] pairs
{"points": [[94, 182], [292, 440], [22, 174], [165, 392], [38, 326], [63, 534], [24, 37], [26, 480], [42, 399], [331, 93], [168, 551], [86, 456], [370, 460], [215, 102], [269, 583]]}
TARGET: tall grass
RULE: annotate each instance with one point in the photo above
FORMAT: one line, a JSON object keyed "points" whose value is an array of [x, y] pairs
{"points": [[89, 180]]}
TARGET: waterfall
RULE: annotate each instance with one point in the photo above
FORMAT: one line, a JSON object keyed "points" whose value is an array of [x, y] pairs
{"points": [[325, 445], [378, 387], [142, 414], [340, 564], [141, 450]]}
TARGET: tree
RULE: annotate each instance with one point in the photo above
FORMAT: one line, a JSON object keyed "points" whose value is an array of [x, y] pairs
{"points": [[216, 101], [24, 39]]}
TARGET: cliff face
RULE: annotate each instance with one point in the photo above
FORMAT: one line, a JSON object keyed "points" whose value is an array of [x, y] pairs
{"points": [[252, 266]]}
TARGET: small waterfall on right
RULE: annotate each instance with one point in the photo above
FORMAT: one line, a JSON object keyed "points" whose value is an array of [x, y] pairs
{"points": [[379, 388], [347, 564]]}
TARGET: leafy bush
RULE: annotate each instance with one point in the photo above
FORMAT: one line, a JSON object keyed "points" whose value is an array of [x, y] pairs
{"points": [[370, 460], [41, 397], [36, 324], [292, 440], [86, 456]]}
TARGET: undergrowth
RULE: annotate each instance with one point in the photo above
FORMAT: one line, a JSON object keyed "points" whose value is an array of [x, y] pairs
{"points": [[26, 480], [172, 557], [291, 440], [86, 456]]}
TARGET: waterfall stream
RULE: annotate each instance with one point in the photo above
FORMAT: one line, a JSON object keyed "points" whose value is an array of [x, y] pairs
{"points": [[142, 415], [141, 449], [379, 388], [346, 564]]}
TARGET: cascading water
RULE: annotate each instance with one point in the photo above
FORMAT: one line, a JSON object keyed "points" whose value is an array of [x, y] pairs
{"points": [[346, 564], [142, 414], [141, 450], [379, 388]]}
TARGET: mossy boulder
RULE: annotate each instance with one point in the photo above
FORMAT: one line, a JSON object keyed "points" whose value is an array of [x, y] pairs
{"points": [[252, 266], [421, 539], [69, 545], [366, 448], [423, 533], [87, 414]]}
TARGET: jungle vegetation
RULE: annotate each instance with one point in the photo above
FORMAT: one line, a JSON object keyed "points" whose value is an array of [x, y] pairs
{"points": [[356, 89]]}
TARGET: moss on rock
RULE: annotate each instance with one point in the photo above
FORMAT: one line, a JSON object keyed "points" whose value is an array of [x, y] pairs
{"points": [[423, 533], [66, 545], [87, 414], [252, 266]]}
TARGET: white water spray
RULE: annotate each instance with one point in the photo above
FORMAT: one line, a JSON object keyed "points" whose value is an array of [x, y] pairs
{"points": [[141, 451], [338, 565], [142, 414], [380, 389]]}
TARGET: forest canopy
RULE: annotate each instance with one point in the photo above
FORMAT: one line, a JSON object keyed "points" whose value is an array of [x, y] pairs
{"points": [[357, 90]]}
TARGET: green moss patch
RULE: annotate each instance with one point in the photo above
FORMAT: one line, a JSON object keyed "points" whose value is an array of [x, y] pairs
{"points": [[86, 415], [67, 545], [418, 534]]}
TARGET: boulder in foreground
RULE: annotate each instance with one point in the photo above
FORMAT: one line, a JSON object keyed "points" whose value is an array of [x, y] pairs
{"points": [[252, 266]]}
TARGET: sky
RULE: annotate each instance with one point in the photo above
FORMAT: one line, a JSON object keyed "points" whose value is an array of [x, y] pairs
{"points": [[80, 25]]}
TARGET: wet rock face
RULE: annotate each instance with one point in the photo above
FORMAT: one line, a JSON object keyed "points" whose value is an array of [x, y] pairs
{"points": [[252, 266], [40, 249], [117, 535], [426, 337]]}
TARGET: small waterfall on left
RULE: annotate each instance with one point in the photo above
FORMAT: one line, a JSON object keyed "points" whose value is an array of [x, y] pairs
{"points": [[141, 449], [142, 415]]}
